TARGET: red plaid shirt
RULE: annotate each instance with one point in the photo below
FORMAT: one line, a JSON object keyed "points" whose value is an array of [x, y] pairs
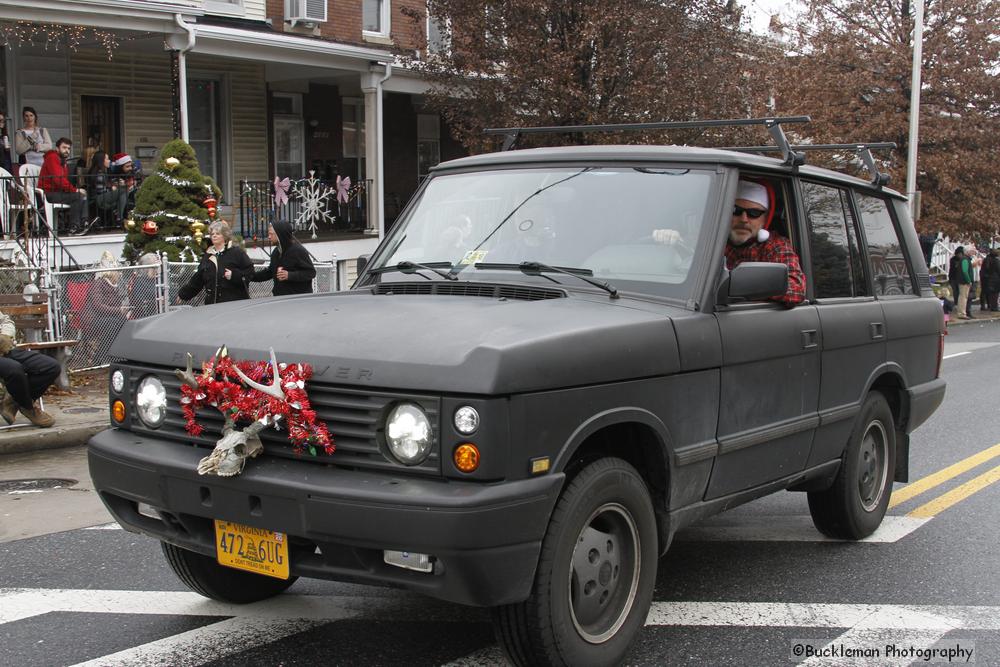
{"points": [[775, 249]]}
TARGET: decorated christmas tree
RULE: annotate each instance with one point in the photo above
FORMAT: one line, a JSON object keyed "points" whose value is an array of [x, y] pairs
{"points": [[173, 207]]}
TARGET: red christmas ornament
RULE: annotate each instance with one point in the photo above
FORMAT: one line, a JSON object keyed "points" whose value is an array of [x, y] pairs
{"points": [[150, 228]]}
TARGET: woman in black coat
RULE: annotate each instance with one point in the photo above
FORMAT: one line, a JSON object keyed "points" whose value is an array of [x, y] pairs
{"points": [[290, 267], [223, 272]]}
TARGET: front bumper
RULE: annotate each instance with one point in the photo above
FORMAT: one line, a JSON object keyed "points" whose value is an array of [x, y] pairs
{"points": [[486, 538]]}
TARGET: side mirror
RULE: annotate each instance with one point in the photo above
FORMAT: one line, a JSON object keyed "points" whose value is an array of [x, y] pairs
{"points": [[362, 262], [753, 281]]}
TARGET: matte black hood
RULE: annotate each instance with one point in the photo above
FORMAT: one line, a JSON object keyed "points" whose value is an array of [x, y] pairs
{"points": [[422, 343]]}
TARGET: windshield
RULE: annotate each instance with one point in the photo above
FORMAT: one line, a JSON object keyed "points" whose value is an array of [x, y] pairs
{"points": [[636, 228]]}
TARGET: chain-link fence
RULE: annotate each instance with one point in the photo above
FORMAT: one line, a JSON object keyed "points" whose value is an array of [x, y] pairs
{"points": [[92, 305]]}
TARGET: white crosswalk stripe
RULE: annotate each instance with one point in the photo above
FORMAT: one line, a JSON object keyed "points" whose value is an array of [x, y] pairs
{"points": [[792, 528], [258, 624]]}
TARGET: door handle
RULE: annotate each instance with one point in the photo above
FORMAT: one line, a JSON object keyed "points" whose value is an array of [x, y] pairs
{"points": [[810, 339], [877, 330]]}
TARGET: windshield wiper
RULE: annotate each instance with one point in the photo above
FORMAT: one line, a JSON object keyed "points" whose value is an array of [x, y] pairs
{"points": [[537, 268], [412, 267]]}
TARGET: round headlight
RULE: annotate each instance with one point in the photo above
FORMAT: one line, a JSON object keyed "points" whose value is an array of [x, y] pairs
{"points": [[408, 433], [118, 381], [466, 420], [151, 402]]}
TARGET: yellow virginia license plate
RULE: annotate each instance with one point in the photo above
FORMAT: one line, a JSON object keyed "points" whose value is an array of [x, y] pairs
{"points": [[251, 549]]}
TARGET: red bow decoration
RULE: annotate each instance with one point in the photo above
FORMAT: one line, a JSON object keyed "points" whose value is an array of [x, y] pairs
{"points": [[221, 385], [281, 191], [343, 188]]}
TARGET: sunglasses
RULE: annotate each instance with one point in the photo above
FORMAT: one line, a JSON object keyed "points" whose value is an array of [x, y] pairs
{"points": [[752, 213]]}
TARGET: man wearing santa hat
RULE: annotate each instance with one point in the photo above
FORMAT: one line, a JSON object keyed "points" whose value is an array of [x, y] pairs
{"points": [[751, 241], [123, 168]]}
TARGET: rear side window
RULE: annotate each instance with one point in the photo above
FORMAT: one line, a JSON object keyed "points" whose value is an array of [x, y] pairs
{"points": [[837, 269], [890, 272]]}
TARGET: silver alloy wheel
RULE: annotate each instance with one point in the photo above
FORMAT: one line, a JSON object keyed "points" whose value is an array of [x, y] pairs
{"points": [[604, 573], [872, 468]]}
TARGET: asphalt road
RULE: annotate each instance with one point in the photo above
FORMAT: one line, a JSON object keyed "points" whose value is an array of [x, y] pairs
{"points": [[753, 586]]}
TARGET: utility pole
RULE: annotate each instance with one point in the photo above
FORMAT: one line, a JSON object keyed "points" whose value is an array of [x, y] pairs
{"points": [[911, 158]]}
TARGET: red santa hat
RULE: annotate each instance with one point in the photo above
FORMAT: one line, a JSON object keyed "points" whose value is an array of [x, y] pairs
{"points": [[120, 159]]}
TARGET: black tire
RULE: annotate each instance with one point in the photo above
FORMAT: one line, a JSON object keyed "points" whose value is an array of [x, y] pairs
{"points": [[203, 575], [595, 575], [854, 506]]}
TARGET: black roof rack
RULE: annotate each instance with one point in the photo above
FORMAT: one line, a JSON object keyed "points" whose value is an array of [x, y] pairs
{"points": [[864, 151], [791, 157]]}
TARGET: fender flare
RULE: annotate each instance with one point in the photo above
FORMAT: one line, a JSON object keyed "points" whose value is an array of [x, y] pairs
{"points": [[601, 420]]}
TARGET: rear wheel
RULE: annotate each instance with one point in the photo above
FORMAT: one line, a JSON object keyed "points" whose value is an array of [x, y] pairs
{"points": [[855, 505], [595, 575], [204, 575]]}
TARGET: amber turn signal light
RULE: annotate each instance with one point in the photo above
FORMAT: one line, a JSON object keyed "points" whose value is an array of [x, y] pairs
{"points": [[118, 411], [466, 457]]}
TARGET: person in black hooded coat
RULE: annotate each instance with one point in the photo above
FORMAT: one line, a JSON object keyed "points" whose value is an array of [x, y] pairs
{"points": [[290, 267]]}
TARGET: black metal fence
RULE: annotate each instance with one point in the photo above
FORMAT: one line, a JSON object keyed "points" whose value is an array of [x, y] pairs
{"points": [[312, 205], [98, 203]]}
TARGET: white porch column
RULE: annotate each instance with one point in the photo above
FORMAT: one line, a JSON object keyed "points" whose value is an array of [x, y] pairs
{"points": [[373, 153], [371, 86]]}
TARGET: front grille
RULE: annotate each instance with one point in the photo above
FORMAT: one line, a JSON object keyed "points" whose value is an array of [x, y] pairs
{"points": [[353, 416], [488, 290]]}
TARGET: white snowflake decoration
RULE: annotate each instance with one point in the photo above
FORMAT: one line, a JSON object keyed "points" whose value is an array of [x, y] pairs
{"points": [[313, 195]]}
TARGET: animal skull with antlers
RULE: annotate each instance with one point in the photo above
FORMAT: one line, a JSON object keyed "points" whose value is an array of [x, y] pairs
{"points": [[236, 389]]}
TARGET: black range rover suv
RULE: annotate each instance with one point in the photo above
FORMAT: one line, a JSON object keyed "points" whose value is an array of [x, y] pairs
{"points": [[531, 393]]}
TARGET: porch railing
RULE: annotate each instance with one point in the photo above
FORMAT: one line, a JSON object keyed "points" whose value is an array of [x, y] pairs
{"points": [[313, 206], [27, 220]]}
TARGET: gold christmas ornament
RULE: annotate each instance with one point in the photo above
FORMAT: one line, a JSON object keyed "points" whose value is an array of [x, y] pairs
{"points": [[130, 223], [197, 237], [197, 227], [172, 163]]}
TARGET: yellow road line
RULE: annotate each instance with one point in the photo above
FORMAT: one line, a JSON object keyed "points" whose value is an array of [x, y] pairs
{"points": [[916, 488], [959, 493]]}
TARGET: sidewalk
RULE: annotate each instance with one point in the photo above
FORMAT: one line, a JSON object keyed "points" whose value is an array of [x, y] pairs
{"points": [[79, 413], [977, 316]]}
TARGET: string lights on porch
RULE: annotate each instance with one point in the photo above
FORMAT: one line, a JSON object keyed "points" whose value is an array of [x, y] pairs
{"points": [[53, 35]]}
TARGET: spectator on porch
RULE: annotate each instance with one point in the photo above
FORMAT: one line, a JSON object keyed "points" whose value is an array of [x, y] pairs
{"points": [[105, 191], [31, 142], [124, 168], [54, 180]]}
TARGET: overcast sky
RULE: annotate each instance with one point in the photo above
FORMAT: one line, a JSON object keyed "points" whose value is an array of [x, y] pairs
{"points": [[759, 11]]}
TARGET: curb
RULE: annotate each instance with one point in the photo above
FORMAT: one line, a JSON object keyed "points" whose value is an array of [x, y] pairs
{"points": [[956, 322], [32, 439]]}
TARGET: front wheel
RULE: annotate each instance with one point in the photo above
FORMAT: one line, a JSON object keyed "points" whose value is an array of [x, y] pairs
{"points": [[204, 575], [595, 575], [855, 505]]}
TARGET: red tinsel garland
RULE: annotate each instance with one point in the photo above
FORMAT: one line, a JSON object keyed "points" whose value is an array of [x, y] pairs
{"points": [[220, 387]]}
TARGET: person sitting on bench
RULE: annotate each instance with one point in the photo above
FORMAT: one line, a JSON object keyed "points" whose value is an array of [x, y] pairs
{"points": [[26, 374]]}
